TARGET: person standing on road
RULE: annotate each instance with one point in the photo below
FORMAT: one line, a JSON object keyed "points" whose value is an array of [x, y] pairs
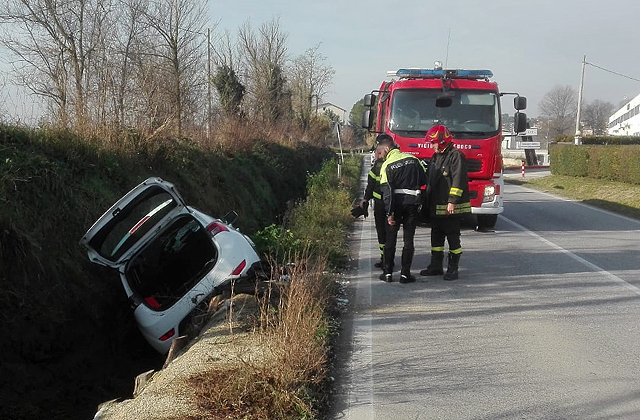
{"points": [[401, 178], [373, 191], [447, 199]]}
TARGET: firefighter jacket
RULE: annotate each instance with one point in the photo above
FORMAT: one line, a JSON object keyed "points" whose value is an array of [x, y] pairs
{"points": [[401, 178], [448, 183], [373, 182]]}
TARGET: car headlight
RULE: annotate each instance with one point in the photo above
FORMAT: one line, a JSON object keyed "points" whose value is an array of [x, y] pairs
{"points": [[489, 193]]}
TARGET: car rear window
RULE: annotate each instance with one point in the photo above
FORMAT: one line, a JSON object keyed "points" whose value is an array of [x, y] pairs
{"points": [[132, 223]]}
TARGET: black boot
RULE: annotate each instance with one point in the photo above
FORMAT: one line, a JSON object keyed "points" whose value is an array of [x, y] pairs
{"points": [[386, 277], [435, 267], [452, 267], [380, 263], [407, 278]]}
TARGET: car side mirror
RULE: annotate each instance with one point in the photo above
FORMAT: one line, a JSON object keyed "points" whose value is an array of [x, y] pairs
{"points": [[520, 122], [369, 100], [520, 103], [230, 217], [367, 119]]}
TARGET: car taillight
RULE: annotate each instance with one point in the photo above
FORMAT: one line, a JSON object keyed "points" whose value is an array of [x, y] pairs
{"points": [[216, 227], [168, 335], [239, 268], [152, 302]]}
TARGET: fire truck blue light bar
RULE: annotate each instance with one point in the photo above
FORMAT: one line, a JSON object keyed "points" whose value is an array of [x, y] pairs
{"points": [[434, 74]]}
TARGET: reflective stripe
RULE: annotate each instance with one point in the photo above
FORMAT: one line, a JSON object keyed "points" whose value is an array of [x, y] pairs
{"points": [[377, 195], [441, 209], [437, 248], [455, 191], [374, 176], [456, 251], [406, 191]]}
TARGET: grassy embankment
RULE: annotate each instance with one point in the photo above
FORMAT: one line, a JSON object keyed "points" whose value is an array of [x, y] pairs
{"points": [[69, 342], [619, 197], [289, 380]]}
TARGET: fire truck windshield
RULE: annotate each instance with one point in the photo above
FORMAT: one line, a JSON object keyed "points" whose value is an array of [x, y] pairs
{"points": [[472, 114]]}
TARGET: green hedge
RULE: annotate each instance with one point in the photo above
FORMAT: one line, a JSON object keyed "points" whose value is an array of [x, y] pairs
{"points": [[603, 140], [615, 163], [611, 140]]}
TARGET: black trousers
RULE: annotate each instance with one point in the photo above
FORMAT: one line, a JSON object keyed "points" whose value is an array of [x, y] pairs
{"points": [[407, 216], [445, 227], [380, 218]]}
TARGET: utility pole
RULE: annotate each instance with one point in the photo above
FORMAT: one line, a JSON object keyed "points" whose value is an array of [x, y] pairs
{"points": [[341, 158], [208, 85], [578, 136]]}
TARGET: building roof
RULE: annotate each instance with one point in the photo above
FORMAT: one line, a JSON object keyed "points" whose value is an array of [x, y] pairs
{"points": [[326, 104]]}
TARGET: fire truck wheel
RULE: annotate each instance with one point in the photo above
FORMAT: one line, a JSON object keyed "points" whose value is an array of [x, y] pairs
{"points": [[487, 221]]}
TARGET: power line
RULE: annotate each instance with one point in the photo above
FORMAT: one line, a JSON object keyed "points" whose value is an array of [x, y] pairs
{"points": [[614, 72]]}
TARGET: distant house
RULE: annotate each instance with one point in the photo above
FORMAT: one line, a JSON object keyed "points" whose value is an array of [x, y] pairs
{"points": [[327, 106], [626, 120]]}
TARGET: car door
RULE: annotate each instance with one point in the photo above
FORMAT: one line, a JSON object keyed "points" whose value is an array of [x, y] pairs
{"points": [[132, 221]]}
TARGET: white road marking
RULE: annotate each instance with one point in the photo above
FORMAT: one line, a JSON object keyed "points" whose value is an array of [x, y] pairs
{"points": [[360, 397], [570, 254]]}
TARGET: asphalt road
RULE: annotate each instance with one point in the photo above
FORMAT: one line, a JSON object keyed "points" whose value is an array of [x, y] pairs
{"points": [[542, 324]]}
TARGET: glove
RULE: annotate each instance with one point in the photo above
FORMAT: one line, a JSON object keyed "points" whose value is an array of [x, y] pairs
{"points": [[361, 211]]}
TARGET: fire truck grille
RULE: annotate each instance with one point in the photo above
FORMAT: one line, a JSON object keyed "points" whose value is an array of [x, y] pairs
{"points": [[474, 165]]}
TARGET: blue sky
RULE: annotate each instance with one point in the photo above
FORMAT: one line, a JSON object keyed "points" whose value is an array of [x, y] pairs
{"points": [[531, 46]]}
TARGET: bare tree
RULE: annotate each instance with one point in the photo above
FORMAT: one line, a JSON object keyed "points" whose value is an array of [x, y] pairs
{"points": [[310, 79], [264, 58], [123, 50], [54, 44], [560, 106], [596, 115], [226, 52], [179, 29]]}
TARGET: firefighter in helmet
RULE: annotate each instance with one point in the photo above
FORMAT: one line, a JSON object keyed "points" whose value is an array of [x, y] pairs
{"points": [[447, 196], [372, 191]]}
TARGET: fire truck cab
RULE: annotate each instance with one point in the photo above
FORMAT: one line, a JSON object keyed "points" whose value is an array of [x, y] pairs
{"points": [[467, 102]]}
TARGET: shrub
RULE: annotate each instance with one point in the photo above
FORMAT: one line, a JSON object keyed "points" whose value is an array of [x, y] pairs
{"points": [[615, 163]]}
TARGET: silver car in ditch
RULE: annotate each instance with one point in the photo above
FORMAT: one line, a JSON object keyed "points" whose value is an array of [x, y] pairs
{"points": [[171, 258]]}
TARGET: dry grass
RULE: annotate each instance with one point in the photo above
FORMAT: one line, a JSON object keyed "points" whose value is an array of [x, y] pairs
{"points": [[293, 335]]}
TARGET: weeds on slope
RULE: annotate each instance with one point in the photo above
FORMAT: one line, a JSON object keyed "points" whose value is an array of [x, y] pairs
{"points": [[294, 334]]}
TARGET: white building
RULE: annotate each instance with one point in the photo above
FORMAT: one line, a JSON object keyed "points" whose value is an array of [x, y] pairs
{"points": [[341, 113], [626, 120]]}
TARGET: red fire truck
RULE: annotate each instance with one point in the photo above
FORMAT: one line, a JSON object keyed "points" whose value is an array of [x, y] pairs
{"points": [[465, 101]]}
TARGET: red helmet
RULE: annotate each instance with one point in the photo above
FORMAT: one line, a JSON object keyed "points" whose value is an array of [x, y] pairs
{"points": [[439, 134]]}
